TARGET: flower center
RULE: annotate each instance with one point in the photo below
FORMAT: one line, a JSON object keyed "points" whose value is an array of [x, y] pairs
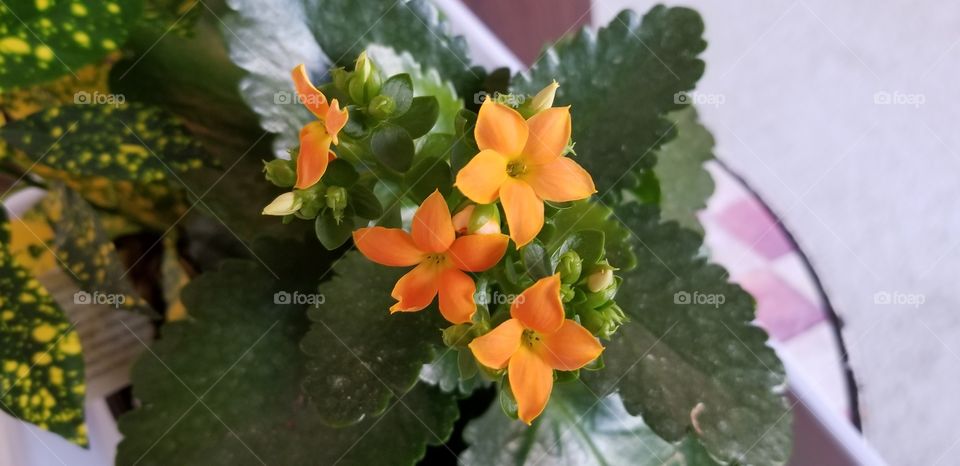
{"points": [[435, 259], [529, 337], [516, 168]]}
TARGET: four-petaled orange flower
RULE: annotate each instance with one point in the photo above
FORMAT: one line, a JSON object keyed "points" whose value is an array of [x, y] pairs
{"points": [[521, 162], [440, 258], [316, 136], [534, 342]]}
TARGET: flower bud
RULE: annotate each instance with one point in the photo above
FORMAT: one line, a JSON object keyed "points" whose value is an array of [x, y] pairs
{"points": [[363, 67], [280, 172], [570, 267], [485, 220], [603, 322], [601, 278], [364, 82], [336, 198], [381, 107], [284, 204], [461, 219], [567, 293], [544, 99], [458, 336], [341, 79]]}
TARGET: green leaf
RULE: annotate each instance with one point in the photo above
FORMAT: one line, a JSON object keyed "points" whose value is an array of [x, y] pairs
{"points": [[239, 351], [332, 233], [400, 89], [685, 185], [622, 82], [593, 216], [364, 203], [123, 143], [393, 147], [576, 429], [420, 117], [536, 260], [340, 173], [43, 39], [446, 372], [690, 350], [41, 366], [361, 356], [87, 253], [426, 82], [588, 244], [427, 175]]}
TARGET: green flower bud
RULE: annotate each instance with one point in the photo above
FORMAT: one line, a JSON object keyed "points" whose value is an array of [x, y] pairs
{"points": [[313, 201], [282, 173], [485, 220], [336, 198], [364, 67], [567, 293], [544, 99], [603, 322], [458, 336], [341, 79], [570, 267], [381, 107], [284, 204]]}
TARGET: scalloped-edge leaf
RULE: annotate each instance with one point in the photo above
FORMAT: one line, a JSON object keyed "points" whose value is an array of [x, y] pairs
{"points": [[685, 183], [622, 81], [41, 365], [239, 351], [690, 359]]}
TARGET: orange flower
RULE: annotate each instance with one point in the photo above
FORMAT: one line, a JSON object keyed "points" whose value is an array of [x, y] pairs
{"points": [[316, 136], [440, 258], [534, 342], [521, 163]]}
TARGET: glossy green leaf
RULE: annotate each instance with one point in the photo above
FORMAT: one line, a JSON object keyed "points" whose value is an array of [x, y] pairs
{"points": [[41, 365], [685, 184], [126, 142], [447, 372], [240, 352], [594, 216], [87, 253], [393, 147], [690, 359], [364, 203], [44, 39], [427, 175], [333, 233], [622, 82], [361, 356], [536, 260], [420, 117], [400, 89], [576, 429]]}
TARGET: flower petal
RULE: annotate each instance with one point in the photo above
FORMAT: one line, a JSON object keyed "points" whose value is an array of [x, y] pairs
{"points": [[461, 220], [476, 253], [456, 296], [500, 128], [481, 178], [432, 227], [549, 134], [494, 348], [415, 290], [531, 381], [335, 120], [387, 246], [560, 181], [524, 210], [569, 348], [310, 96], [314, 154], [539, 307]]}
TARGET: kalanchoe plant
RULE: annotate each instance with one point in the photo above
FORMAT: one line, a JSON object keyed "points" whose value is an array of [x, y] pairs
{"points": [[397, 256]]}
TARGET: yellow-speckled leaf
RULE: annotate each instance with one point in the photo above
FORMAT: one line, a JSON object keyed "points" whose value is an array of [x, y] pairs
{"points": [[41, 366], [174, 276], [43, 39], [85, 250]]}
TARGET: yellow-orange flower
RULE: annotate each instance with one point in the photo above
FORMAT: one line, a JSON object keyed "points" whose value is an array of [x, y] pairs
{"points": [[535, 341], [440, 258], [316, 136], [521, 162]]}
